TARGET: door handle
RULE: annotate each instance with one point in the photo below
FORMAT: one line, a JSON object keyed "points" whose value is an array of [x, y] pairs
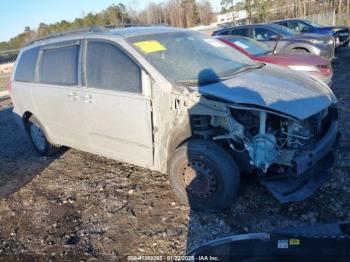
{"points": [[73, 96], [88, 98]]}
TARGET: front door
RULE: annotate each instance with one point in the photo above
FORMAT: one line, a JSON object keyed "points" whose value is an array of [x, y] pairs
{"points": [[117, 111]]}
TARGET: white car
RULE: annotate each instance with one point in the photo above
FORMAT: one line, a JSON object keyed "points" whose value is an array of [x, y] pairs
{"points": [[175, 101]]}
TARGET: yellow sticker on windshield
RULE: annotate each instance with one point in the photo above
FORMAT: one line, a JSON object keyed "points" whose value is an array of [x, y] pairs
{"points": [[294, 242], [150, 46]]}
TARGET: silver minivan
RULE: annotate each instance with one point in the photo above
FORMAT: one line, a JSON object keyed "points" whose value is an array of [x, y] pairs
{"points": [[179, 102]]}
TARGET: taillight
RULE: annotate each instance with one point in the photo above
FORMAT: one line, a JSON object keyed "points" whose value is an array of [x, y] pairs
{"points": [[325, 69], [9, 85]]}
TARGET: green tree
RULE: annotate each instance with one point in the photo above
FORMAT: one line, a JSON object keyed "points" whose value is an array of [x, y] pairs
{"points": [[227, 5]]}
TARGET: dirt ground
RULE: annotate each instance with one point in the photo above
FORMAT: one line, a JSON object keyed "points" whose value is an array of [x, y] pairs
{"points": [[81, 206]]}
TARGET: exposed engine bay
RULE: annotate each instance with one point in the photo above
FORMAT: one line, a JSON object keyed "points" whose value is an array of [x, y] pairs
{"points": [[268, 137]]}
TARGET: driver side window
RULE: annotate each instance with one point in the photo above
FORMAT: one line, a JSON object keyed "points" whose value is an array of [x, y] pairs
{"points": [[303, 27], [263, 34], [298, 26], [294, 26]]}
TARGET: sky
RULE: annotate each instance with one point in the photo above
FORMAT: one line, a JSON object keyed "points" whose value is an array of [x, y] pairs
{"points": [[17, 14]]}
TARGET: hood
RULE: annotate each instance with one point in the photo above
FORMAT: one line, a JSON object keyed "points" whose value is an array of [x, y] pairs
{"points": [[293, 59], [275, 88], [333, 28]]}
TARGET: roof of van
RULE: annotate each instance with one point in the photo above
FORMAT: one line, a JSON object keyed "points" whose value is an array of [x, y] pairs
{"points": [[123, 32], [143, 30]]}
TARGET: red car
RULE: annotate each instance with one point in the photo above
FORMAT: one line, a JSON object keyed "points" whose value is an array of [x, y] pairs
{"points": [[309, 64]]}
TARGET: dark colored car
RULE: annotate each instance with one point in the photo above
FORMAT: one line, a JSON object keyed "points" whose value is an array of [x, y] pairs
{"points": [[314, 243], [309, 64], [340, 33], [284, 40]]}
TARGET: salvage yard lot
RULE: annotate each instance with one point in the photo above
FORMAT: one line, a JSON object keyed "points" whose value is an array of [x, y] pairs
{"points": [[81, 205]]}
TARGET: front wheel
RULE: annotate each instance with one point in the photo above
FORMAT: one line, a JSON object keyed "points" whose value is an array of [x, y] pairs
{"points": [[203, 175], [39, 139]]}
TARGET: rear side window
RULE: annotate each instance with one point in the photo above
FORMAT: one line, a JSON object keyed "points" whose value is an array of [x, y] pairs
{"points": [[110, 68], [59, 66], [263, 34], [25, 70], [240, 31], [225, 32]]}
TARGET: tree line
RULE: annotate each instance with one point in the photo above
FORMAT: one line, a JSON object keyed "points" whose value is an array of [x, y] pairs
{"points": [[179, 13], [186, 13], [268, 10]]}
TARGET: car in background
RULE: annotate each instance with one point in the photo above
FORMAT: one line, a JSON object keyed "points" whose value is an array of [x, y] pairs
{"points": [[281, 39], [309, 64], [339, 33]]}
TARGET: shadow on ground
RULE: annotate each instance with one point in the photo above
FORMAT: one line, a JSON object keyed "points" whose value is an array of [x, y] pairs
{"points": [[19, 162]]}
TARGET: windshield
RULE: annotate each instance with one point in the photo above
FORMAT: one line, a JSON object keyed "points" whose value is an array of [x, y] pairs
{"points": [[183, 56], [253, 47], [283, 30]]}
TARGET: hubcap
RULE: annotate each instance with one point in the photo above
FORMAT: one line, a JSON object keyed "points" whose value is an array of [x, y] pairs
{"points": [[199, 179], [37, 136]]}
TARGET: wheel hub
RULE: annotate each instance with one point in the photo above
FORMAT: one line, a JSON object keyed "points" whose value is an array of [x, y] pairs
{"points": [[199, 180]]}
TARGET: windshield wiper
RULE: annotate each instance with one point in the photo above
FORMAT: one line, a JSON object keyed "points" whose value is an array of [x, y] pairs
{"points": [[208, 81], [193, 82], [242, 69]]}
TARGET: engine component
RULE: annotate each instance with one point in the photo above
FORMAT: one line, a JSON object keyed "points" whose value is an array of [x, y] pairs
{"points": [[262, 150]]}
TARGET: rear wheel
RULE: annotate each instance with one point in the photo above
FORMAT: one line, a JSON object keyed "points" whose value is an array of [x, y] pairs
{"points": [[39, 139], [203, 175]]}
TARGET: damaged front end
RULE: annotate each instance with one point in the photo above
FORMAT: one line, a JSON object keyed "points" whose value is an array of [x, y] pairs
{"points": [[291, 156]]}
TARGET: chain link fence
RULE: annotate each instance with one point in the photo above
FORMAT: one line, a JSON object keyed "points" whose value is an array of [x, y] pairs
{"points": [[7, 60], [8, 56]]}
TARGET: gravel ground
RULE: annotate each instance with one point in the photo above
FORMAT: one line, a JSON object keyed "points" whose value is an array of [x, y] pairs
{"points": [[81, 206]]}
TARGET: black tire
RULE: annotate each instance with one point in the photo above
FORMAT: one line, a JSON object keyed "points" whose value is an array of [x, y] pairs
{"points": [[47, 148], [216, 175]]}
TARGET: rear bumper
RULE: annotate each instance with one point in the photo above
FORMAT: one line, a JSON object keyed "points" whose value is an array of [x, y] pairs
{"points": [[308, 159]]}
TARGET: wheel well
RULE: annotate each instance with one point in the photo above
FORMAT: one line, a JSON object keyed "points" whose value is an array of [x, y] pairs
{"points": [[198, 126], [301, 48], [26, 117]]}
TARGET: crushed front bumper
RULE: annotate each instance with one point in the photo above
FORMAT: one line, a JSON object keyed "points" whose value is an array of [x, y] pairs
{"points": [[311, 169], [308, 159]]}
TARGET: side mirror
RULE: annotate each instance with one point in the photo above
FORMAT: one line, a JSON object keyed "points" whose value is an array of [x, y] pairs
{"points": [[275, 37]]}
